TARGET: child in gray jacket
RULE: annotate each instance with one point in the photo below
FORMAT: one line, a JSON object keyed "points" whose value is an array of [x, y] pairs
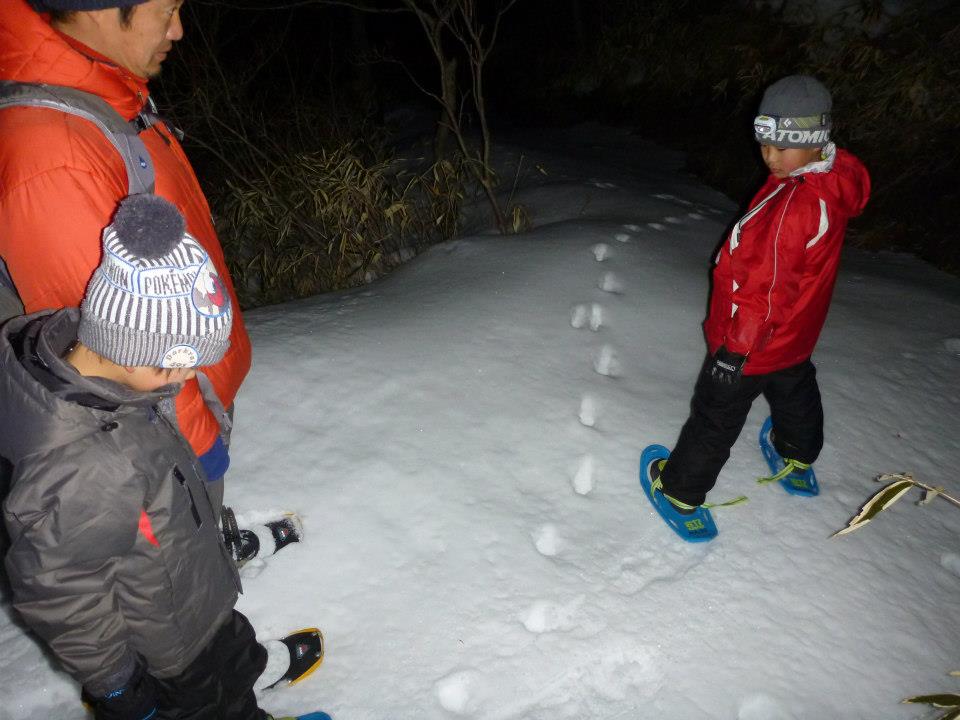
{"points": [[115, 558]]}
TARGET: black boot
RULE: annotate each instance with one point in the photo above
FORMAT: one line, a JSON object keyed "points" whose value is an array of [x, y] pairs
{"points": [[244, 545]]}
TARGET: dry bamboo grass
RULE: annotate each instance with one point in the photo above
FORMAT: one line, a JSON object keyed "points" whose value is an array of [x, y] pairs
{"points": [[306, 196], [341, 222]]}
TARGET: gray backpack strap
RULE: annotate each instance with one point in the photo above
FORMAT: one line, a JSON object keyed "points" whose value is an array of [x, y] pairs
{"points": [[123, 135], [10, 305], [224, 415]]}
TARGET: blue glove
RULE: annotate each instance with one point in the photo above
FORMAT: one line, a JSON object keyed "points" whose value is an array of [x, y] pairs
{"points": [[137, 700], [726, 368]]}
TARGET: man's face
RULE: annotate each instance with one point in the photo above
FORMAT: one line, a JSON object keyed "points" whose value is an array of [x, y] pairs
{"points": [[142, 45]]}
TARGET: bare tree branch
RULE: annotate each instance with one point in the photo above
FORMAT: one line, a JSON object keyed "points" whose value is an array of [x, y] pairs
{"points": [[440, 20]]}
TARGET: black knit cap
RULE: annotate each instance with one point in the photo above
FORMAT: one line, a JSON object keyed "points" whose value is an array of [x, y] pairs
{"points": [[81, 5]]}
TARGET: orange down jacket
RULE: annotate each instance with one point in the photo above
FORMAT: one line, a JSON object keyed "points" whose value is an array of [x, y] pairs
{"points": [[61, 180]]}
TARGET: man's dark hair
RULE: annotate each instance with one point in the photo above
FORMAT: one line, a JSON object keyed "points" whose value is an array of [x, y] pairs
{"points": [[62, 16]]}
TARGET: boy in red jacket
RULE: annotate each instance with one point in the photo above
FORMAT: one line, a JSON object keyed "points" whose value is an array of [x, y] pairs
{"points": [[772, 285]]}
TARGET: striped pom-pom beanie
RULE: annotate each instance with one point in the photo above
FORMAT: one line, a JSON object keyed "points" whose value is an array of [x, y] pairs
{"points": [[156, 300]]}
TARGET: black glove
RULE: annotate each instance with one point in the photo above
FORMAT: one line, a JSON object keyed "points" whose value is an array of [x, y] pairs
{"points": [[726, 368], [136, 700]]}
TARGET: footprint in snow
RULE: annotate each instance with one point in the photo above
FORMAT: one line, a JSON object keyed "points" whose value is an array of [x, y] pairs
{"points": [[609, 282], [632, 228], [583, 479], [252, 569], [762, 707], [606, 362], [546, 540], [587, 316], [672, 220], [601, 251], [596, 316], [622, 237], [456, 691], [656, 226], [544, 616], [674, 198], [951, 562], [578, 317], [588, 411], [619, 667]]}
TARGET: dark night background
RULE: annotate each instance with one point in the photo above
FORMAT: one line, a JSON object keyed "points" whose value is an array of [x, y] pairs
{"points": [[276, 96]]}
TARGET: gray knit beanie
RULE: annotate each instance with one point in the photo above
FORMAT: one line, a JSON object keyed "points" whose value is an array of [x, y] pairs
{"points": [[795, 113], [81, 5], [156, 300]]}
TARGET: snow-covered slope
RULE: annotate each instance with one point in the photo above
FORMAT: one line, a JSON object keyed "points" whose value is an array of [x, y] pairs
{"points": [[462, 438]]}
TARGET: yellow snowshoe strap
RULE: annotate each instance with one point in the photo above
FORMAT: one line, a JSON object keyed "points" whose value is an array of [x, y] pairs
{"points": [[658, 485], [789, 467], [740, 500]]}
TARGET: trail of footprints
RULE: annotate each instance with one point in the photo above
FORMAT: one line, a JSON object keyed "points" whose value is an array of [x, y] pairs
{"points": [[545, 615], [593, 315], [459, 692]]}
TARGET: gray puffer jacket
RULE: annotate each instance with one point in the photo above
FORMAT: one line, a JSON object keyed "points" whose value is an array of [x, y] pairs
{"points": [[114, 547]]}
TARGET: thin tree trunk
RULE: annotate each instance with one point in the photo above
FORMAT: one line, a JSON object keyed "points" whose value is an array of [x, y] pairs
{"points": [[448, 94], [576, 24], [360, 41]]}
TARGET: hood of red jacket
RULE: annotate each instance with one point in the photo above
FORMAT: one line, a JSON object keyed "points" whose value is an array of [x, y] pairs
{"points": [[33, 51], [846, 187]]}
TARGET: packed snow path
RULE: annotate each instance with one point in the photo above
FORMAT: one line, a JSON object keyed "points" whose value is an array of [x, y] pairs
{"points": [[462, 439]]}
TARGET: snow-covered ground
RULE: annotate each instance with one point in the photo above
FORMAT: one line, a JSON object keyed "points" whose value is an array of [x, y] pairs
{"points": [[462, 440]]}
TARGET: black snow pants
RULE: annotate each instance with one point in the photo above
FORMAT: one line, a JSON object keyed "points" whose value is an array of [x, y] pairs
{"points": [[218, 684], [718, 414]]}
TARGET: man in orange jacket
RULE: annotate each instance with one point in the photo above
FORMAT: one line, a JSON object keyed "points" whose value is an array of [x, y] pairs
{"points": [[61, 179]]}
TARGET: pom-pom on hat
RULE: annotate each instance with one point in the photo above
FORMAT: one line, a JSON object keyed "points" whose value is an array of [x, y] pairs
{"points": [[795, 113], [81, 5], [156, 299]]}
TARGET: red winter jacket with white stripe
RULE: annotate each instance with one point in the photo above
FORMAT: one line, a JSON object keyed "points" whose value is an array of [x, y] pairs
{"points": [[775, 274]]}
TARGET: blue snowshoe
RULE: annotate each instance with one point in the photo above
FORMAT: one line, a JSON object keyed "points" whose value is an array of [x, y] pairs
{"points": [[308, 716], [695, 526], [795, 477]]}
